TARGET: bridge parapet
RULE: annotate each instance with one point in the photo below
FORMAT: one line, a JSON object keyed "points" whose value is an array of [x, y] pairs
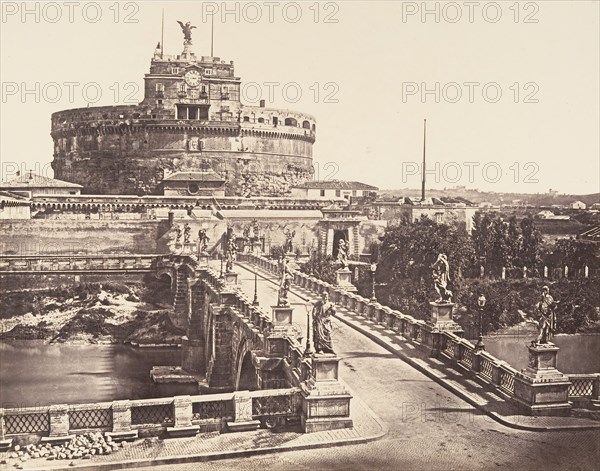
{"points": [[36, 264], [203, 412]]}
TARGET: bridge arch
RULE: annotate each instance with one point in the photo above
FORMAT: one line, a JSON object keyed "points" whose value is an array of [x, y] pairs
{"points": [[246, 375]]}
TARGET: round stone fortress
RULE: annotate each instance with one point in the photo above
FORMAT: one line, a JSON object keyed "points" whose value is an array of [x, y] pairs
{"points": [[191, 120]]}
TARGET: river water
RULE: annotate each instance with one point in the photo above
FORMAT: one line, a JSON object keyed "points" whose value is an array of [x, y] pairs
{"points": [[579, 353], [33, 373]]}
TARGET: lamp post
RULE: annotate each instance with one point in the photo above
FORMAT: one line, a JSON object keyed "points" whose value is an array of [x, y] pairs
{"points": [[255, 301], [481, 303], [373, 269], [309, 350], [221, 257]]}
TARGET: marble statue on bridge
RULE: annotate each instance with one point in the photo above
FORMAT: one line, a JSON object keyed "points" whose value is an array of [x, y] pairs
{"points": [[441, 276], [230, 254], [342, 254], [177, 235], [546, 309], [323, 311], [285, 283], [187, 230], [289, 237], [203, 241]]}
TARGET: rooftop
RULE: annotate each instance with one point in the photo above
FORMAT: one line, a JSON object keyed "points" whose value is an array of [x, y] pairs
{"points": [[336, 185], [206, 175], [32, 180]]}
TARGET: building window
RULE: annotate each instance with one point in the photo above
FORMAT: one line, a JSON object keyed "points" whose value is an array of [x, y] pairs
{"points": [[353, 192], [322, 192], [261, 120], [275, 121], [159, 102], [192, 112], [182, 88], [175, 70], [246, 119], [439, 217], [207, 71], [160, 87], [338, 193], [193, 188]]}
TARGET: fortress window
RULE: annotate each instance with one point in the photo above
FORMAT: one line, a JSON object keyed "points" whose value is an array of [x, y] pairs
{"points": [[275, 121], [290, 122], [192, 112], [261, 120], [160, 87], [314, 127], [246, 119], [306, 125]]}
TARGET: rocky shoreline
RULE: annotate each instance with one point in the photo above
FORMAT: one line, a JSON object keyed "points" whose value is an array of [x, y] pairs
{"points": [[96, 313]]}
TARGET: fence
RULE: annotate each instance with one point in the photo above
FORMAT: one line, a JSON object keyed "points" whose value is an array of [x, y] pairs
{"points": [[453, 348], [152, 414]]}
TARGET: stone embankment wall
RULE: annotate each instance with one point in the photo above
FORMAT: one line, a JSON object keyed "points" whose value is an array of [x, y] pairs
{"points": [[52, 237]]}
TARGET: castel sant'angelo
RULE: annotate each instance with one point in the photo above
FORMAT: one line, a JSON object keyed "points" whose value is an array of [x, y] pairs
{"points": [[191, 119]]}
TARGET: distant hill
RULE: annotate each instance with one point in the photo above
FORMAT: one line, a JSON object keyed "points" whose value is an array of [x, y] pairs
{"points": [[477, 196]]}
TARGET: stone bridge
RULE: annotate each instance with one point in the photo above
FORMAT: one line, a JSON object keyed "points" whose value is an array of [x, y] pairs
{"points": [[231, 342]]}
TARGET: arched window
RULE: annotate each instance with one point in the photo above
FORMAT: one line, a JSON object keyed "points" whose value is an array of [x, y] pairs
{"points": [[306, 125], [290, 122], [246, 119], [261, 120], [314, 127]]}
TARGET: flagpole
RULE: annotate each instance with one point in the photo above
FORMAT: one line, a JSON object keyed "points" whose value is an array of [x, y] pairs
{"points": [[162, 34], [423, 176], [212, 34]]}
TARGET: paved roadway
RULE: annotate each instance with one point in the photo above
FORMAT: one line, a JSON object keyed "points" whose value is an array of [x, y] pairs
{"points": [[429, 428]]}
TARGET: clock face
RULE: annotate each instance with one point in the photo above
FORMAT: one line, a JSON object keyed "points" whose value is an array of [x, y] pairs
{"points": [[192, 78]]}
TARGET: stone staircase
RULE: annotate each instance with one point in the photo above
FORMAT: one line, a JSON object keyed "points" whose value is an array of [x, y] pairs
{"points": [[179, 300]]}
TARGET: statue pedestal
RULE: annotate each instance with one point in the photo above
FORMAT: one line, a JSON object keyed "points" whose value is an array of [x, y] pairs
{"points": [[541, 388], [256, 248], [343, 279], [230, 278], [441, 320], [203, 258], [282, 314], [325, 400]]}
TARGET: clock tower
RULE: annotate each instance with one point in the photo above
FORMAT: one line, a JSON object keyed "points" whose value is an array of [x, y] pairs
{"points": [[186, 88]]}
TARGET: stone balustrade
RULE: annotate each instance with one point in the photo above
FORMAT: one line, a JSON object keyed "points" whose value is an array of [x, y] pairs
{"points": [[78, 263], [208, 412]]}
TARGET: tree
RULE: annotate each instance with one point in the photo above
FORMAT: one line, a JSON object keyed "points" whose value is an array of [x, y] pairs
{"points": [[531, 243]]}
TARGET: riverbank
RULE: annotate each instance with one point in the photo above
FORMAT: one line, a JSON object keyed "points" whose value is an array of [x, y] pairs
{"points": [[89, 313]]}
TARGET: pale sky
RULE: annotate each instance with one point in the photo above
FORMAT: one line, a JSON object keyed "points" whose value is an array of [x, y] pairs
{"points": [[369, 61]]}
